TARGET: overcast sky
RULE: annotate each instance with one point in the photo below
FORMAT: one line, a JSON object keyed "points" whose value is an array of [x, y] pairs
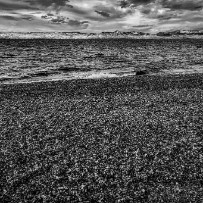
{"points": [[100, 15]]}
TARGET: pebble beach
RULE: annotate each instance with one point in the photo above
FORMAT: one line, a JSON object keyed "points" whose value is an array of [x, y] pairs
{"points": [[128, 139]]}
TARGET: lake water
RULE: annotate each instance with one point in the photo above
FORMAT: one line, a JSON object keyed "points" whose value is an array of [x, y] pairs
{"points": [[47, 59]]}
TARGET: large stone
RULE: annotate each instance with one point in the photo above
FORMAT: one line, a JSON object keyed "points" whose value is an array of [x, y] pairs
{"points": [[141, 72]]}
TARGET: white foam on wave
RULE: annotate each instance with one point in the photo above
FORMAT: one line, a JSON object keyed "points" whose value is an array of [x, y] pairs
{"points": [[99, 75], [109, 73], [189, 70], [94, 74]]}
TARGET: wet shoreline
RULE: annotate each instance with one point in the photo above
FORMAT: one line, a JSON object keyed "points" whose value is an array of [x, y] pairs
{"points": [[109, 73]]}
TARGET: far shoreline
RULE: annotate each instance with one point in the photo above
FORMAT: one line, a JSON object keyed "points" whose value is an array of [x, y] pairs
{"points": [[103, 35]]}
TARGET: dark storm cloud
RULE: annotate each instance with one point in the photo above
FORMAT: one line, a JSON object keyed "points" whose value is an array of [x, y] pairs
{"points": [[9, 18], [110, 13], [146, 10], [47, 3], [55, 19], [165, 10], [10, 6], [171, 4], [59, 20], [64, 20], [50, 14], [127, 3], [77, 23], [103, 13], [79, 11], [182, 4], [16, 17], [142, 26], [198, 18], [54, 5], [154, 11], [166, 16], [45, 17], [27, 18]]}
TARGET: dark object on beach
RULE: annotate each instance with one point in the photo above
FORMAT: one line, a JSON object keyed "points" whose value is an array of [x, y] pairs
{"points": [[99, 55], [199, 46], [141, 72]]}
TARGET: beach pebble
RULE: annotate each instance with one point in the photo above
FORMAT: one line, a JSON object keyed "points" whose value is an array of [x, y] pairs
{"points": [[141, 72]]}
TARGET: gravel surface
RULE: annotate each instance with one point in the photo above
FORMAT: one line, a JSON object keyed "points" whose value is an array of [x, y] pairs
{"points": [[133, 139]]}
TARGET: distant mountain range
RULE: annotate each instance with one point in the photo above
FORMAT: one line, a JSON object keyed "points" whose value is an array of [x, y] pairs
{"points": [[102, 35], [181, 33]]}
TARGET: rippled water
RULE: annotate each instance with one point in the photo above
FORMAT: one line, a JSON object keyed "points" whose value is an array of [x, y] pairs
{"points": [[33, 60]]}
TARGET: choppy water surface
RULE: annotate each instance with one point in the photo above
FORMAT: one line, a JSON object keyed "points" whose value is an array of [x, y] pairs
{"points": [[32, 60]]}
